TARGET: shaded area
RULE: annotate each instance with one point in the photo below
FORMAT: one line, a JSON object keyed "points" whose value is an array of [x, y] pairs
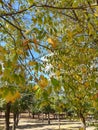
{"points": [[43, 125]]}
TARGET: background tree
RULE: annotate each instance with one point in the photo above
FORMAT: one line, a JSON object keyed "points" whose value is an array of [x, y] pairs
{"points": [[76, 69]]}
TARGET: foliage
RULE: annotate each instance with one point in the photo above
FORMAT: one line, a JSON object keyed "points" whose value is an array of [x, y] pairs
{"points": [[68, 30]]}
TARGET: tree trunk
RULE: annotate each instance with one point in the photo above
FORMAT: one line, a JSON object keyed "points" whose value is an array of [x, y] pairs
{"points": [[33, 115], [48, 119], [39, 116], [29, 114], [42, 117], [83, 121], [7, 116], [16, 120], [59, 120]]}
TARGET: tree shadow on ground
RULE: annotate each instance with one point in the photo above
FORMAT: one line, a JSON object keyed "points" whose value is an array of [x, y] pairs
{"points": [[39, 122], [32, 126], [1, 123], [74, 127], [40, 126]]}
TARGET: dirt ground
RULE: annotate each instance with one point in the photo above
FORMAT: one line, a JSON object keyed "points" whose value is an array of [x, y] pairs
{"points": [[39, 125], [36, 124]]}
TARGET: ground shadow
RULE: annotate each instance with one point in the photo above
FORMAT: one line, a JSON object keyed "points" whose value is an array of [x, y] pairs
{"points": [[31, 126]]}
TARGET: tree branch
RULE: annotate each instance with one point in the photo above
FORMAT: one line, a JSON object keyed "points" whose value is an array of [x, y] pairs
{"points": [[7, 32], [46, 6], [67, 16], [10, 23], [17, 12]]}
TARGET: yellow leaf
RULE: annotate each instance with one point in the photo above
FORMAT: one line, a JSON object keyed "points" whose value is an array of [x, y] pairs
{"points": [[96, 14], [2, 50], [96, 11], [35, 42], [25, 42], [86, 84], [84, 69], [43, 82], [90, 27], [17, 95], [94, 104], [10, 97], [35, 87], [70, 35], [60, 65], [19, 51], [77, 77], [52, 42], [1, 72], [31, 63], [58, 73]]}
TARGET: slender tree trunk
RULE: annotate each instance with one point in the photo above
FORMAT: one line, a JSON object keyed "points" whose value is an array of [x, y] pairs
{"points": [[83, 121], [33, 115], [42, 117], [29, 114], [59, 120], [39, 116], [17, 118], [54, 115], [14, 118], [45, 116], [7, 116], [48, 118]]}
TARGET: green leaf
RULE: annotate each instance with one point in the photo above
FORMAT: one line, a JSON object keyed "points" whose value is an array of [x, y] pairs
{"points": [[0, 67], [31, 2], [55, 82]]}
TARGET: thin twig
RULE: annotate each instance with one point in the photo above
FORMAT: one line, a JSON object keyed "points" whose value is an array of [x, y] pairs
{"points": [[11, 23], [8, 32]]}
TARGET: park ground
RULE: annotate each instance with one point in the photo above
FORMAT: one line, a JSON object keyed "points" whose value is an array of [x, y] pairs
{"points": [[28, 123]]}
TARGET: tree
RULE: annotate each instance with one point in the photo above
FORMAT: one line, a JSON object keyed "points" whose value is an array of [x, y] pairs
{"points": [[77, 71], [32, 29], [75, 67], [22, 104]]}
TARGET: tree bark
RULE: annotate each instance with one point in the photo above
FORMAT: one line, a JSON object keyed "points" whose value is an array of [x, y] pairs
{"points": [[83, 120], [33, 115], [15, 119], [59, 120], [7, 116], [42, 117], [48, 119]]}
